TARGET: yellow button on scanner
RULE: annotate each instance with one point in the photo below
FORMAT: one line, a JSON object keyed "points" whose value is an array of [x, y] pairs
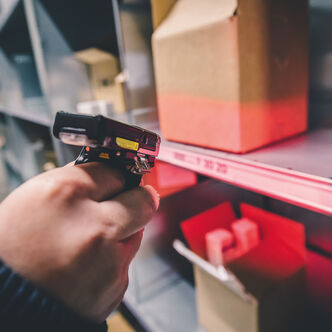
{"points": [[127, 144]]}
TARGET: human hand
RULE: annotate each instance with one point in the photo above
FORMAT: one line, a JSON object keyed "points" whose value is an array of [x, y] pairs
{"points": [[73, 231]]}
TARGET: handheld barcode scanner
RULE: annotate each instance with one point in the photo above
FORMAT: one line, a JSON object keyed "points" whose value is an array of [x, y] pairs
{"points": [[129, 148]]}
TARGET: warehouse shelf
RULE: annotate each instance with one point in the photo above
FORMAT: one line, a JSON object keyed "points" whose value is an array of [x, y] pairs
{"points": [[41, 75], [161, 291], [20, 89], [171, 310], [62, 33], [296, 171], [27, 147], [41, 119], [7, 12], [174, 309]]}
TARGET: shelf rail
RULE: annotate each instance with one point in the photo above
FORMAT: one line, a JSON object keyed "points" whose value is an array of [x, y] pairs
{"points": [[305, 190]]}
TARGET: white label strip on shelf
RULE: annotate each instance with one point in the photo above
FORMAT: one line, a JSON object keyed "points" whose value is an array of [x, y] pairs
{"points": [[311, 192]]}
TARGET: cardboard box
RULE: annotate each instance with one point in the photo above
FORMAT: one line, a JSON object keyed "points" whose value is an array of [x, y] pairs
{"points": [[160, 9], [105, 76], [232, 74], [261, 291], [96, 107], [168, 179]]}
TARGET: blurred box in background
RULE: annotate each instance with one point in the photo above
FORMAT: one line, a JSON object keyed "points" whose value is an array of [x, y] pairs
{"points": [[96, 107], [271, 276], [105, 76], [231, 75], [160, 9], [168, 179]]}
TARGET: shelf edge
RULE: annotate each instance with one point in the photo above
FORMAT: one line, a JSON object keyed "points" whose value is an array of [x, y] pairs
{"points": [[35, 118], [305, 190]]}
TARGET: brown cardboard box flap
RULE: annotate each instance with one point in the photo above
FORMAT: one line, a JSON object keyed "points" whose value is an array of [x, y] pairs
{"points": [[195, 228], [189, 15], [266, 266], [277, 228], [160, 9], [106, 79], [195, 53]]}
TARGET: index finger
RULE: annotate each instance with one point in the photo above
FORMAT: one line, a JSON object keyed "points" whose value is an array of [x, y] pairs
{"points": [[129, 212], [97, 180]]}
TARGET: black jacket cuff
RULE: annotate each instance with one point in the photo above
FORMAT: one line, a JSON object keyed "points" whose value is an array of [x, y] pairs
{"points": [[24, 307]]}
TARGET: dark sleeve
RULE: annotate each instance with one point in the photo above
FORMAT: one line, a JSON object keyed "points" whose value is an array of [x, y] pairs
{"points": [[24, 307]]}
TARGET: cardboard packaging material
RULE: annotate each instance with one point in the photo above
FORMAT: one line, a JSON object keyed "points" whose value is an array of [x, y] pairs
{"points": [[160, 9], [106, 78], [261, 291], [223, 246], [96, 107], [246, 233], [168, 179], [216, 242], [231, 74]]}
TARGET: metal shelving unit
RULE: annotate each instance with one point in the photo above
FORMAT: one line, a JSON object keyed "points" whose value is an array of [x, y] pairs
{"points": [[43, 120], [23, 104], [7, 11], [157, 315], [161, 292], [20, 85], [297, 171], [293, 177]]}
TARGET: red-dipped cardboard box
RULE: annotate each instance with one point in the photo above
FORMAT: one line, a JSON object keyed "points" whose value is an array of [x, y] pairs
{"points": [[262, 291], [231, 74]]}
